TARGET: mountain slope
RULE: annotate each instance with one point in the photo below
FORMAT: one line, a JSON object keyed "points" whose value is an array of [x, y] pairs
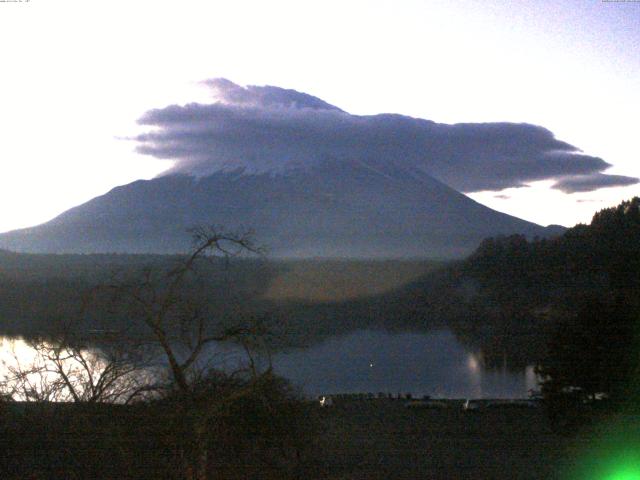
{"points": [[335, 209]]}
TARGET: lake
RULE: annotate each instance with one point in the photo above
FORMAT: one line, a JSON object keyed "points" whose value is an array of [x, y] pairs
{"points": [[431, 363]]}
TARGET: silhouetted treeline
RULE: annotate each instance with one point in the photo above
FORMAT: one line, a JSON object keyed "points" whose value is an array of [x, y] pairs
{"points": [[569, 304], [38, 290], [585, 259], [302, 301]]}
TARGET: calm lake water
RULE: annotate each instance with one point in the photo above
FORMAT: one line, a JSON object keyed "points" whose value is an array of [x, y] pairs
{"points": [[431, 363]]}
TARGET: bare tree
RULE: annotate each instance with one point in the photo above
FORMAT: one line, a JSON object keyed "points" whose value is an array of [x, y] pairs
{"points": [[24, 377], [66, 367], [171, 306], [166, 303], [161, 343]]}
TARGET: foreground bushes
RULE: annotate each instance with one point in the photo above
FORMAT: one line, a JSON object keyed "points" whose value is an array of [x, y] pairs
{"points": [[262, 432]]}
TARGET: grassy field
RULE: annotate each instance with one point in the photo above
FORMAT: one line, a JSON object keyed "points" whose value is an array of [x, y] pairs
{"points": [[381, 439], [352, 440]]}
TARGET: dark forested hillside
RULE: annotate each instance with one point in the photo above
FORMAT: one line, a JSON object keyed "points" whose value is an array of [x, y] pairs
{"points": [[602, 255], [569, 304], [36, 290], [305, 299]]}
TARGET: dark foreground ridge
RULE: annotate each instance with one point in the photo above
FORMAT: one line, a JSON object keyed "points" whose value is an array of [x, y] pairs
{"points": [[354, 439]]}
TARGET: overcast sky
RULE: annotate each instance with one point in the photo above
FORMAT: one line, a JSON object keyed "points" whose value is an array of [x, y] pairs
{"points": [[77, 76]]}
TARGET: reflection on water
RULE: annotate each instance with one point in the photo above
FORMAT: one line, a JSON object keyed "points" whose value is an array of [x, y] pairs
{"points": [[432, 363], [42, 371], [29, 374]]}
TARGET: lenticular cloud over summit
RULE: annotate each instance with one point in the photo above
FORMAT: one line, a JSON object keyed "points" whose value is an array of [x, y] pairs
{"points": [[314, 181], [274, 130]]}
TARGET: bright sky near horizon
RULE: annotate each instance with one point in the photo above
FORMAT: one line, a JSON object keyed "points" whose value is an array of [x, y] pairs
{"points": [[77, 75]]}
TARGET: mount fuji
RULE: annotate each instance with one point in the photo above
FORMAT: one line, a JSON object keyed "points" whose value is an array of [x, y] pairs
{"points": [[337, 209], [312, 180]]}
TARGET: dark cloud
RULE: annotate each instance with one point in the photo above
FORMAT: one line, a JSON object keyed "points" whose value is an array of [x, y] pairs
{"points": [[270, 129], [588, 183]]}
